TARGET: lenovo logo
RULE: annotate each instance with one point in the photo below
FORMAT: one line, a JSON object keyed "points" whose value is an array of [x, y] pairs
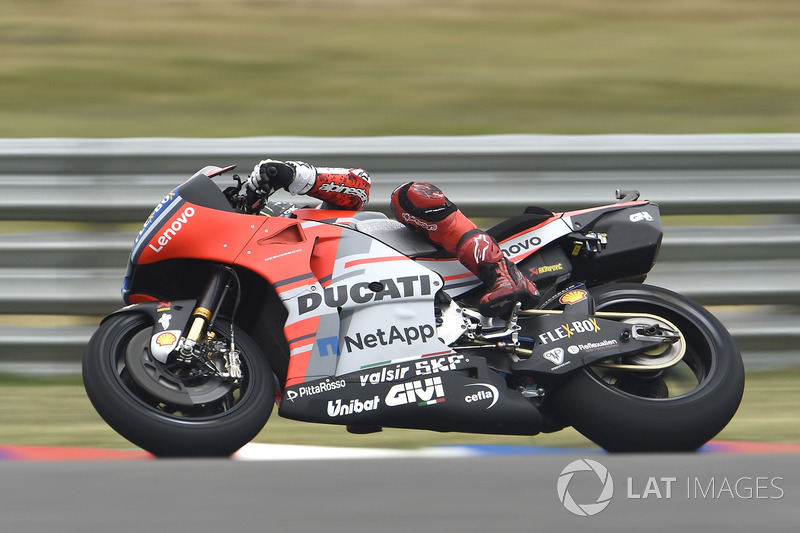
{"points": [[172, 229]]}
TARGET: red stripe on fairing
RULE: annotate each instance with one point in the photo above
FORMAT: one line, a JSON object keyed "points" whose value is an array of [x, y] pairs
{"points": [[141, 298], [301, 341], [298, 366], [298, 362], [356, 262], [216, 171], [558, 216], [458, 276], [296, 284], [447, 352], [590, 209]]}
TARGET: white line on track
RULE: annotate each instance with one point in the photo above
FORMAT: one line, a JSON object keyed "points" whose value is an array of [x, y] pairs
{"points": [[285, 452]]}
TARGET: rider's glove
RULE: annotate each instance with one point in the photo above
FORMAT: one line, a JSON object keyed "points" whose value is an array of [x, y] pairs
{"points": [[269, 175]]}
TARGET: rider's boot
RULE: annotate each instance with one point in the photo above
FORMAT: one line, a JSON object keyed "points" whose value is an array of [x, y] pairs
{"points": [[506, 285]]}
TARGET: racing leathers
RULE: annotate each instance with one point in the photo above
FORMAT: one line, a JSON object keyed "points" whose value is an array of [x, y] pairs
{"points": [[421, 206]]}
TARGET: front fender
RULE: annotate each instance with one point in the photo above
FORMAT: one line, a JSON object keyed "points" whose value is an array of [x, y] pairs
{"points": [[170, 321]]}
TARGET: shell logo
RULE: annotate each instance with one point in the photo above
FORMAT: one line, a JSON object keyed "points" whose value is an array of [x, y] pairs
{"points": [[573, 297], [166, 339]]}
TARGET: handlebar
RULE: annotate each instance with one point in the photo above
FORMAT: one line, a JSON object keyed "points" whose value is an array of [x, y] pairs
{"points": [[243, 199]]}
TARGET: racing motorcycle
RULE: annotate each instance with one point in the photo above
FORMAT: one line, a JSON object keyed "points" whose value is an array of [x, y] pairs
{"points": [[351, 318]]}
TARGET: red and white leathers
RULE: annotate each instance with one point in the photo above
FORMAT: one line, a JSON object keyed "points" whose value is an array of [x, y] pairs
{"points": [[342, 188], [422, 207]]}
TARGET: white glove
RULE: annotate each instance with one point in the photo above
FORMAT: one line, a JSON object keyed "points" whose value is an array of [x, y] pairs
{"points": [[294, 176]]}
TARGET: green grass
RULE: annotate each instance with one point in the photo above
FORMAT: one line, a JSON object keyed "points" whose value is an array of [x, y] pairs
{"points": [[228, 68], [56, 412]]}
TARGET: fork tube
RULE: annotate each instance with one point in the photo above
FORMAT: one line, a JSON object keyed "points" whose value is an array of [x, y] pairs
{"points": [[211, 299]]}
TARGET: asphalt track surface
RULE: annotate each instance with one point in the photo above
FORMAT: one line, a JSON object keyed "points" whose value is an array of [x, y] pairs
{"points": [[727, 492]]}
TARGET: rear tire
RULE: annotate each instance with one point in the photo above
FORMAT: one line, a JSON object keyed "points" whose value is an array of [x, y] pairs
{"points": [[224, 419], [629, 412]]}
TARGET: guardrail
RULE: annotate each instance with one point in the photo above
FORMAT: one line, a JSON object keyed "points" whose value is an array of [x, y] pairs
{"points": [[752, 268]]}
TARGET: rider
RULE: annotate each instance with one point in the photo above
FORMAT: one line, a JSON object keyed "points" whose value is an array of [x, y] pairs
{"points": [[422, 207]]}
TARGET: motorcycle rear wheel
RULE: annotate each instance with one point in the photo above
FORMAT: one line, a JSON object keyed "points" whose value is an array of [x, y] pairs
{"points": [[678, 409], [224, 418]]}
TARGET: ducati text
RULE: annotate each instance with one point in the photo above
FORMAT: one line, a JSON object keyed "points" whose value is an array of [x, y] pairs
{"points": [[360, 293]]}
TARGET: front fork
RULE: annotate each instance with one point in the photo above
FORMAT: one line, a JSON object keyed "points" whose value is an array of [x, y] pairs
{"points": [[223, 282]]}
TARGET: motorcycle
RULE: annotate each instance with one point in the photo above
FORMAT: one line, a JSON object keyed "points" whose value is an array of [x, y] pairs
{"points": [[351, 318]]}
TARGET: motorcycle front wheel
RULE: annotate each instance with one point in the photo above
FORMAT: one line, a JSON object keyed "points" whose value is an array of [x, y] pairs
{"points": [[172, 410], [676, 409]]}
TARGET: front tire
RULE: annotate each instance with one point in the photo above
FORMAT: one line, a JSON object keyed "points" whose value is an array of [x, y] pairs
{"points": [[155, 415], [678, 409]]}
